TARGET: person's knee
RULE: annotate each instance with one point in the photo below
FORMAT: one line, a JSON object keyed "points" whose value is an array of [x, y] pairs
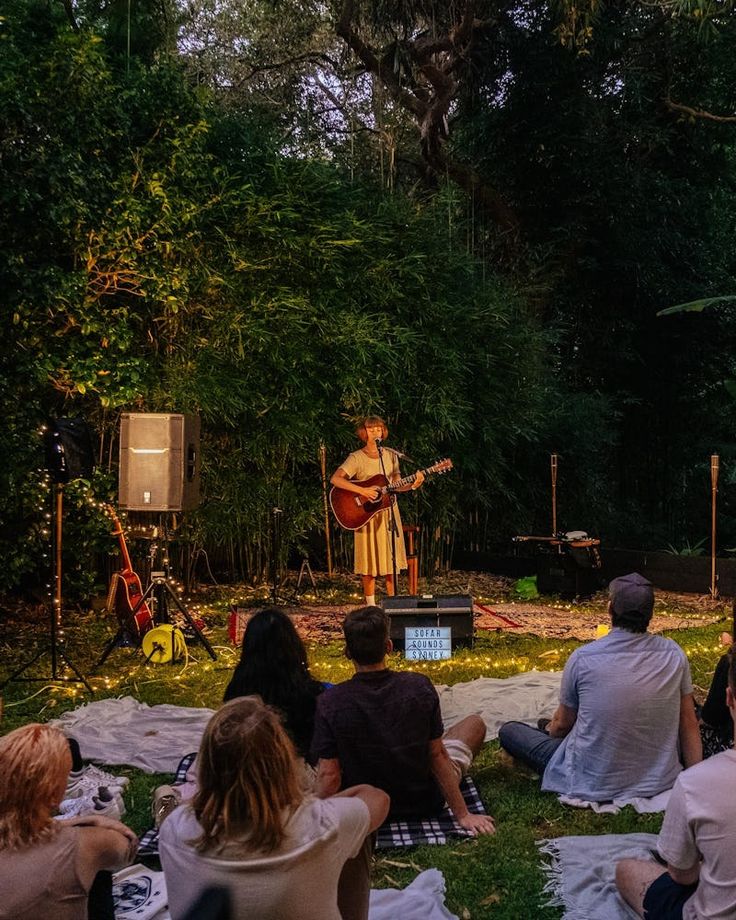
{"points": [[505, 733], [473, 732], [623, 870]]}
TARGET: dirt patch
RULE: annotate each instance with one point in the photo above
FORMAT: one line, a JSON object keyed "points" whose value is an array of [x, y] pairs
{"points": [[574, 623], [556, 620]]}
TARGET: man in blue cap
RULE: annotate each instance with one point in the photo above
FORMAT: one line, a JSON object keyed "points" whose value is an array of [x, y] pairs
{"points": [[626, 723]]}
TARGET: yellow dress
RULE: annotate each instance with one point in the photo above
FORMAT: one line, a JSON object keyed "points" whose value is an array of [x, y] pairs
{"points": [[373, 541]]}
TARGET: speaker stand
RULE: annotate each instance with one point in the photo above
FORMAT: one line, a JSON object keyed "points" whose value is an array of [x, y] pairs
{"points": [[162, 592], [55, 645]]}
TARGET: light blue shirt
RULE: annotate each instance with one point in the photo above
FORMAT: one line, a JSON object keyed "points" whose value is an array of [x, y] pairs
{"points": [[626, 689]]}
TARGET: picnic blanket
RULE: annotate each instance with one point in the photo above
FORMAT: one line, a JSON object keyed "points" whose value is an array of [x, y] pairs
{"points": [[435, 830], [124, 731], [581, 873], [521, 698], [153, 738], [141, 894]]}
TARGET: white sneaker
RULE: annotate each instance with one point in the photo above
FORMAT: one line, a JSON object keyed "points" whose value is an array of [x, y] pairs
{"points": [[109, 798], [87, 781], [110, 805]]}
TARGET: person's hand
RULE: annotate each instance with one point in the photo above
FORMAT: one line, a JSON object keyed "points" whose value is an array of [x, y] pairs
{"points": [[726, 639], [373, 493], [477, 824], [420, 477]]}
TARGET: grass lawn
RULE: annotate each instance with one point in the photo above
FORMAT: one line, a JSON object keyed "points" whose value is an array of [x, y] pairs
{"points": [[495, 877]]}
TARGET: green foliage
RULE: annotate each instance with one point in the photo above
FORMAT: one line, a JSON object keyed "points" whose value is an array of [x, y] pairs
{"points": [[182, 264], [688, 549], [526, 588], [697, 306]]}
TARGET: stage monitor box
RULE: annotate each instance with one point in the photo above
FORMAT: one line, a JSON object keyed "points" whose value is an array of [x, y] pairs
{"points": [[453, 610], [159, 461]]}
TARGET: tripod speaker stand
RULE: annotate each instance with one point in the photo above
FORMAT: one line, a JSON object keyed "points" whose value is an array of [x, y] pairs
{"points": [[161, 592], [54, 648], [69, 455]]}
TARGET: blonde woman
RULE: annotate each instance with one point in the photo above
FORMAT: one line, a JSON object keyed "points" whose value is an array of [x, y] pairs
{"points": [[252, 830], [48, 867], [373, 555]]}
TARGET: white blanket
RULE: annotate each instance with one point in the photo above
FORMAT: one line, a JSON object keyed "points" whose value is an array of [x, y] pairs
{"points": [[124, 731], [581, 873], [141, 893], [155, 738], [521, 698]]}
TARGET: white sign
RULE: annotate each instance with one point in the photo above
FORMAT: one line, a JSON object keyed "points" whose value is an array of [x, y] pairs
{"points": [[427, 643]]}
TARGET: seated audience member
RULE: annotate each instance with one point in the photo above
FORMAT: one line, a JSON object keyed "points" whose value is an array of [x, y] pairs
{"points": [[697, 841], [251, 829], [273, 665], [716, 727], [50, 868], [626, 711], [384, 727]]}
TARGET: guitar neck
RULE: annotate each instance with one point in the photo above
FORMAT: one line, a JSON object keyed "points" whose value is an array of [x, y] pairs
{"points": [[120, 534], [407, 480]]}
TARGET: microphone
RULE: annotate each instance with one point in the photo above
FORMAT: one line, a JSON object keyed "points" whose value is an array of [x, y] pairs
{"points": [[392, 450]]}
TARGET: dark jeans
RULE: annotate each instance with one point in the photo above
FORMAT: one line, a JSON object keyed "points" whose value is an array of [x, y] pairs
{"points": [[529, 745]]}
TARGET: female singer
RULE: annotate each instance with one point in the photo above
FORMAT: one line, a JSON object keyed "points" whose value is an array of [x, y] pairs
{"points": [[373, 540]]}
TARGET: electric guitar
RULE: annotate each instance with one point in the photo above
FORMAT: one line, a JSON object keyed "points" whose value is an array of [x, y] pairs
{"points": [[126, 591], [353, 511]]}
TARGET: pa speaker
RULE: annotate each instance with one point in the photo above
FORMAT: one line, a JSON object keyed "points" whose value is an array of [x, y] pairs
{"points": [[454, 610], [69, 451], [159, 461]]}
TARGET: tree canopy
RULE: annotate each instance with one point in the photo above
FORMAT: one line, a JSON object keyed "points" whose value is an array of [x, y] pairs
{"points": [[282, 215]]}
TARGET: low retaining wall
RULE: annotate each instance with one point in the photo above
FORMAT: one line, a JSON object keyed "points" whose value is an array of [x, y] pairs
{"points": [[689, 574]]}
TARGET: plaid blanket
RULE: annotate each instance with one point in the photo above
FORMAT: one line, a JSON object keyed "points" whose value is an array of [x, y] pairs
{"points": [[435, 830], [432, 830]]}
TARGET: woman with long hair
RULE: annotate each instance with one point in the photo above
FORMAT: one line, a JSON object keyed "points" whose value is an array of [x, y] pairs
{"points": [[373, 544], [49, 867], [252, 830], [273, 665]]}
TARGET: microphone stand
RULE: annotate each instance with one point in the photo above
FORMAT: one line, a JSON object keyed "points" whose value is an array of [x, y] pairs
{"points": [[392, 525]]}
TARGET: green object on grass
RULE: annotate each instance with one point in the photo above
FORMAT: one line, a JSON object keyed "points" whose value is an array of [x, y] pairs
{"points": [[527, 587]]}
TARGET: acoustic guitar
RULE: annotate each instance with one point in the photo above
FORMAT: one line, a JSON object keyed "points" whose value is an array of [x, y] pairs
{"points": [[353, 511], [126, 591]]}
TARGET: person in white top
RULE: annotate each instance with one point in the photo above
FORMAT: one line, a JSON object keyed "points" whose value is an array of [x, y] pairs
{"points": [[252, 830], [697, 842]]}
